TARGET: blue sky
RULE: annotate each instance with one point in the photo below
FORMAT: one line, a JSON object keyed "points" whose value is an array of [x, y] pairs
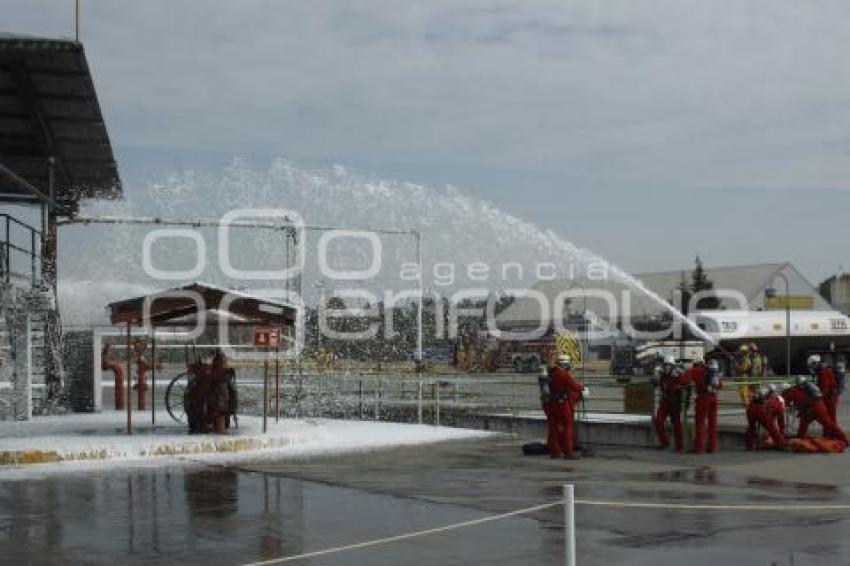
{"points": [[646, 130]]}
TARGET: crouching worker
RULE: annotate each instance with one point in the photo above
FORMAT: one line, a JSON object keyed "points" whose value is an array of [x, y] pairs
{"points": [[807, 398], [766, 410], [564, 394], [670, 406], [706, 380]]}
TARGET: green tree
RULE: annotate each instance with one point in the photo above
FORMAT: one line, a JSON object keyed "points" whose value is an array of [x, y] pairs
{"points": [[700, 283], [684, 289]]}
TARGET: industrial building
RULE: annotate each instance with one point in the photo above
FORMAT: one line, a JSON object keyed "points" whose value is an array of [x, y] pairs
{"points": [[54, 152]]}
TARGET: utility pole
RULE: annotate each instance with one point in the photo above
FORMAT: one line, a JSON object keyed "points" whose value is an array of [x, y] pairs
{"points": [[77, 20], [771, 293]]}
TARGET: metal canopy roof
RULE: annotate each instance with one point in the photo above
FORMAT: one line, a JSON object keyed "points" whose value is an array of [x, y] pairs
{"points": [[176, 306], [49, 107]]}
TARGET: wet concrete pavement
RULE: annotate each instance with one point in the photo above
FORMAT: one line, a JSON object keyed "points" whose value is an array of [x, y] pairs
{"points": [[222, 516], [227, 515]]}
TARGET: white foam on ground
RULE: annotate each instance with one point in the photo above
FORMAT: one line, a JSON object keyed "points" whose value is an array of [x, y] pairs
{"points": [[105, 435]]}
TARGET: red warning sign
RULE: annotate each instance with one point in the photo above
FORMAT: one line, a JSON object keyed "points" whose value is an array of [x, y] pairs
{"points": [[266, 337]]}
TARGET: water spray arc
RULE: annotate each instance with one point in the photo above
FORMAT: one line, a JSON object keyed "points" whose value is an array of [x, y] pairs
{"points": [[635, 284], [448, 225], [288, 226]]}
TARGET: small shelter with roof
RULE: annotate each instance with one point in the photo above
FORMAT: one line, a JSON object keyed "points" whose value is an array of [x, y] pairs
{"points": [[198, 305]]}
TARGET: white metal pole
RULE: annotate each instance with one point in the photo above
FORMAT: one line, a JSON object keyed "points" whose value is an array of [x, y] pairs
{"points": [[378, 399], [437, 403], [77, 20], [787, 327], [569, 525], [787, 324], [419, 403], [420, 292], [584, 348]]}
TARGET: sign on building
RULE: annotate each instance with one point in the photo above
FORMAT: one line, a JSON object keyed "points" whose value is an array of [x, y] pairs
{"points": [[797, 302]]}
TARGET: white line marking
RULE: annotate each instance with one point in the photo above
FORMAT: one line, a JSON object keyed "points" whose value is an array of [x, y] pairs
{"points": [[717, 506]]}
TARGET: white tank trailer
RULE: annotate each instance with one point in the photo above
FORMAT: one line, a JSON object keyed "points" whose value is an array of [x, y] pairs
{"points": [[812, 331]]}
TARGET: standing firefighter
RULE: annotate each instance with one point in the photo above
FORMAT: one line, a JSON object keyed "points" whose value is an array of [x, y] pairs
{"points": [[757, 366], [766, 410], [827, 383], [807, 398], [706, 381], [744, 369], [564, 393], [670, 405]]}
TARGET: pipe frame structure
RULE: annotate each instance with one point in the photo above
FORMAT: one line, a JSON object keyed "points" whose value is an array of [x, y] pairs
{"points": [[289, 227]]}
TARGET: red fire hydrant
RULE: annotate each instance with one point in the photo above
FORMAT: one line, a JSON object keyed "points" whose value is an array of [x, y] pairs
{"points": [[108, 363]]}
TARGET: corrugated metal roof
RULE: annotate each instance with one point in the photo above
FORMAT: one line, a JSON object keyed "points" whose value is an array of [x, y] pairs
{"points": [[746, 279], [49, 107], [183, 303]]}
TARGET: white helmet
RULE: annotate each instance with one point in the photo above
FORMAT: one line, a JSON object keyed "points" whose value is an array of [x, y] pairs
{"points": [[813, 362], [771, 388], [784, 387], [565, 361], [670, 360]]}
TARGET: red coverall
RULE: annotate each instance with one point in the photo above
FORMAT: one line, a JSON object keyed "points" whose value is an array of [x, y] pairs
{"points": [[670, 406], [770, 414], [706, 409], [108, 363], [565, 392], [812, 409], [828, 385]]}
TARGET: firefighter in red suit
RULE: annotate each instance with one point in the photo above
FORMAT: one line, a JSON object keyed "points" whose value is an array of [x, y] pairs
{"points": [[826, 382], [807, 398], [670, 406], [766, 409], [564, 393], [705, 378]]}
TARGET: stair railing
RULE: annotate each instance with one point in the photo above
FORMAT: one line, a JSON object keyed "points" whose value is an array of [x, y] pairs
{"points": [[8, 247]]}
